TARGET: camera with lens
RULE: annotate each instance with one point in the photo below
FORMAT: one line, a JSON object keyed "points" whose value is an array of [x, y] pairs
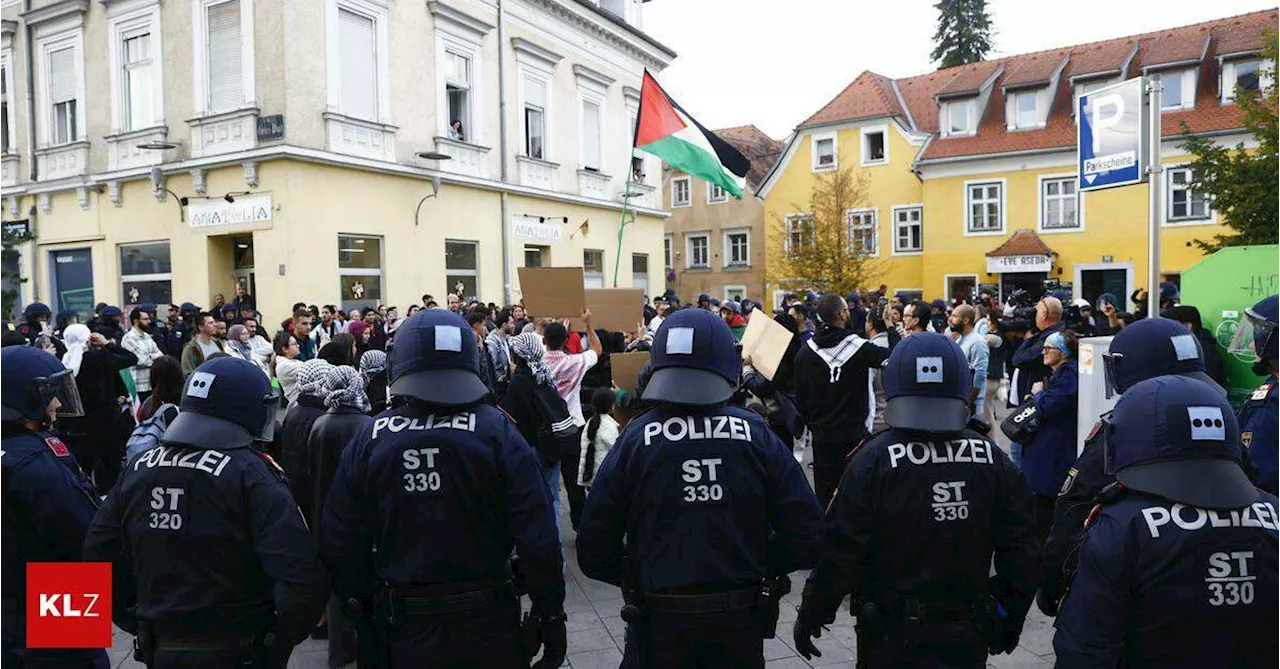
{"points": [[1023, 317]]}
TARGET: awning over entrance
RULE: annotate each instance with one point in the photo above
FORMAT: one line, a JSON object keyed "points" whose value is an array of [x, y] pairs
{"points": [[1023, 251]]}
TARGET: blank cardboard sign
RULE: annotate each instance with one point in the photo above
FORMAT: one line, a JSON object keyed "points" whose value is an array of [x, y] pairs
{"points": [[552, 292], [765, 342], [626, 368], [615, 309]]}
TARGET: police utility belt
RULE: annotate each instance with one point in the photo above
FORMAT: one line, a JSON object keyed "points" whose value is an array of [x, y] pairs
{"points": [[444, 599], [762, 601], [896, 616], [150, 639]]}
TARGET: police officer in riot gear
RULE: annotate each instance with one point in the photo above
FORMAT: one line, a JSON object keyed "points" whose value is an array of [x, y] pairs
{"points": [[425, 508], [1149, 348], [1261, 411], [920, 512], [48, 501], [212, 561], [698, 512], [1178, 565]]}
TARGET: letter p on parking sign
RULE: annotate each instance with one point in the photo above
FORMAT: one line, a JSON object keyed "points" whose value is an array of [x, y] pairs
{"points": [[68, 605]]}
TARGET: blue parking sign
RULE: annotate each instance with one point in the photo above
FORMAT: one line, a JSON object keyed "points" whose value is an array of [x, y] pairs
{"points": [[1111, 136]]}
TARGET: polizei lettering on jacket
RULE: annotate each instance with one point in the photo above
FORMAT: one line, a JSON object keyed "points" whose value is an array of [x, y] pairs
{"points": [[211, 462], [952, 450], [1189, 518], [679, 428], [461, 421]]}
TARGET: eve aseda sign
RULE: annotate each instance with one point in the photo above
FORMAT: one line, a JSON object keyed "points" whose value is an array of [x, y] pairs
{"points": [[68, 605]]}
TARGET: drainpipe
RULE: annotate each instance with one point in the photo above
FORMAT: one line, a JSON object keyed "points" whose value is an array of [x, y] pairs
{"points": [[32, 171], [502, 156]]}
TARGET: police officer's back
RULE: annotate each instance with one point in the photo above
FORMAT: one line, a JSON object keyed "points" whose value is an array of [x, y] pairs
{"points": [[426, 506], [711, 506], [205, 538], [1149, 348], [48, 501], [1261, 411], [1178, 565], [920, 512]]}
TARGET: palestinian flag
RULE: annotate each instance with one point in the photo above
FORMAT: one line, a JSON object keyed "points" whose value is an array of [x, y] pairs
{"points": [[666, 131]]}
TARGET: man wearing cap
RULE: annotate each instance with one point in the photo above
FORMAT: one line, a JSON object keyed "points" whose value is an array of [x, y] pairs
{"points": [[922, 510], [1083, 323], [425, 508], [731, 312], [1260, 414], [834, 394], [48, 501], [699, 511], [211, 560], [1178, 565], [1149, 348]]}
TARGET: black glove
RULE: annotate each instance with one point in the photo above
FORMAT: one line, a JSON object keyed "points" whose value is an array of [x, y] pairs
{"points": [[1047, 602], [803, 635], [555, 639]]}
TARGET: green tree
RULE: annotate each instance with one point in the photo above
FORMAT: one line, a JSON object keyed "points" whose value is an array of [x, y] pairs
{"points": [[1242, 183], [820, 250], [10, 241], [964, 32]]}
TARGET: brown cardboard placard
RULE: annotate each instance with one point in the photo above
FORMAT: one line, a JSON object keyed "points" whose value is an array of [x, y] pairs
{"points": [[614, 309], [552, 292], [765, 341], [626, 368]]}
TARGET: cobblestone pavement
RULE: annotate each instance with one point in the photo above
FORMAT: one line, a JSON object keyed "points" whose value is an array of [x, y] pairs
{"points": [[596, 630]]}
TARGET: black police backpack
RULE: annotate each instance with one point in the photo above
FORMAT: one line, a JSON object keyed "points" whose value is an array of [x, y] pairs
{"points": [[557, 435]]}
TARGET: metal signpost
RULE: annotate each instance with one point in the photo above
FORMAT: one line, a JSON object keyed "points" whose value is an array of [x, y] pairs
{"points": [[1118, 144]]}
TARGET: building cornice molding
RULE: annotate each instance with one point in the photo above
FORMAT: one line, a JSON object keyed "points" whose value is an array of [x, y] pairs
{"points": [[56, 11], [643, 50], [478, 28], [537, 52]]}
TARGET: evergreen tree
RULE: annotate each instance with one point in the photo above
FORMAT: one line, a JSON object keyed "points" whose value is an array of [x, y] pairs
{"points": [[964, 32], [1242, 183]]}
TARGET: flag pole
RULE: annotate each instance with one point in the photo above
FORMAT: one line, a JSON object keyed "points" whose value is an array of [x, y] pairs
{"points": [[626, 188]]}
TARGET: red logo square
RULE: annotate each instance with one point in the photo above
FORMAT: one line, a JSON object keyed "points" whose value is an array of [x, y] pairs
{"points": [[68, 605]]}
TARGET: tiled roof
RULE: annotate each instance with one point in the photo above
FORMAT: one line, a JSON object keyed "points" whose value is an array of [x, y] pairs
{"points": [[758, 147], [872, 94], [1023, 242]]}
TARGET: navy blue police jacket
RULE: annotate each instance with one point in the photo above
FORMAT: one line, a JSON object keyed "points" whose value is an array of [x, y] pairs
{"points": [[1166, 585], [922, 516], [706, 499], [208, 544], [48, 505], [1259, 418], [442, 497]]}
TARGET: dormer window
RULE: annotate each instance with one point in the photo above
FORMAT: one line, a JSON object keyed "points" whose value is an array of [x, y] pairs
{"points": [[959, 117], [1243, 74], [1026, 110], [1179, 89]]}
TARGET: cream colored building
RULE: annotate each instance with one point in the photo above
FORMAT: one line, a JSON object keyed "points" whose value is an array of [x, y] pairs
{"points": [[172, 146]]}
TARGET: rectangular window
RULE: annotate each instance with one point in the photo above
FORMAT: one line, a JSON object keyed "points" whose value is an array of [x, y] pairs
{"points": [[908, 230], [984, 202], [680, 192], [461, 268], [1185, 204], [637, 169], [535, 117], [1247, 74], [136, 80], [861, 231], [146, 275], [799, 234], [824, 153], [873, 146], [225, 57], [72, 274], [667, 260], [359, 271], [593, 268], [591, 135], [735, 293], [1026, 110], [457, 87], [959, 118], [1060, 204], [640, 271], [699, 250], [737, 248], [62, 96], [1179, 90], [358, 65], [716, 194], [535, 256]]}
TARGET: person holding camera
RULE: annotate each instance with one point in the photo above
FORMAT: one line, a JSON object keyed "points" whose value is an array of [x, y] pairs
{"points": [[1028, 360]]}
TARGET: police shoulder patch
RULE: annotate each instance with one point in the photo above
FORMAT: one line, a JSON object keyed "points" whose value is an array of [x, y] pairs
{"points": [[55, 444], [1246, 439], [1261, 392], [271, 462], [1071, 479]]}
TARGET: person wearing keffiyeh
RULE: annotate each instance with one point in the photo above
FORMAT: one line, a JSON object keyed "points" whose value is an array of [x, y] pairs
{"points": [[373, 368], [295, 434]]}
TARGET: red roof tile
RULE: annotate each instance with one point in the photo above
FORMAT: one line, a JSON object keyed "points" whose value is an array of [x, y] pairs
{"points": [[1038, 68], [1023, 242], [758, 147], [872, 95]]}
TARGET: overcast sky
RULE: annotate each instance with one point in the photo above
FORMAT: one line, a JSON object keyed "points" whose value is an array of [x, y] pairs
{"points": [[774, 67]]}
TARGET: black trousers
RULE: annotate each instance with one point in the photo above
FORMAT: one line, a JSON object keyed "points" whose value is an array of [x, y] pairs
{"points": [[577, 494], [721, 641], [1042, 505], [479, 640], [923, 654], [829, 460]]}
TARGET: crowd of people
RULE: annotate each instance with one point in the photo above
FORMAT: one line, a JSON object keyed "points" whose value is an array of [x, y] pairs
{"points": [[336, 379]]}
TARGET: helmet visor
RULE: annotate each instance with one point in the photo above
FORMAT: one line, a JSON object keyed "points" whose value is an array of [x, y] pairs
{"points": [[1249, 330], [272, 400], [62, 387], [1110, 361]]}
